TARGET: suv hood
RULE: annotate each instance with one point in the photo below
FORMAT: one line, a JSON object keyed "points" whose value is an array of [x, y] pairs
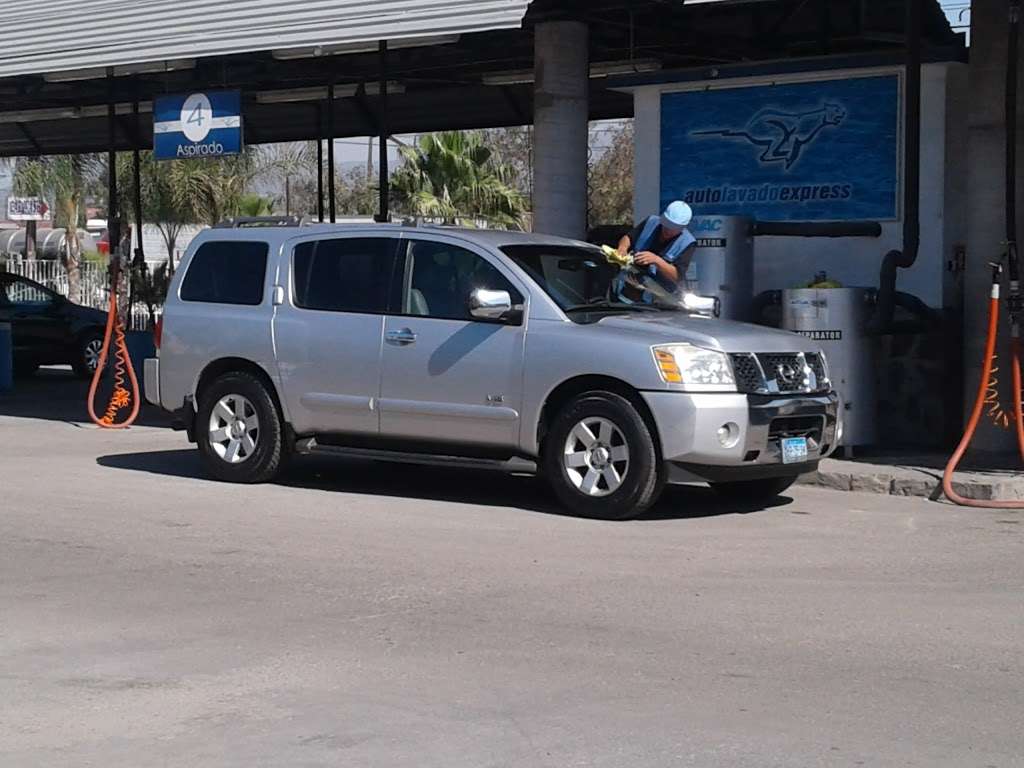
{"points": [[724, 335]]}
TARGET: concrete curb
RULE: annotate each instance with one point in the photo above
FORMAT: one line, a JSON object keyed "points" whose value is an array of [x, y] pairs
{"points": [[914, 481]]}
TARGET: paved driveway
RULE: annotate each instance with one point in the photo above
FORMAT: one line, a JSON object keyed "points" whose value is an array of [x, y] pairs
{"points": [[366, 615]]}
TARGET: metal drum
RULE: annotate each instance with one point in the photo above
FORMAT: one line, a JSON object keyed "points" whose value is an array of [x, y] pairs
{"points": [[52, 243], [723, 265], [837, 319], [12, 241]]}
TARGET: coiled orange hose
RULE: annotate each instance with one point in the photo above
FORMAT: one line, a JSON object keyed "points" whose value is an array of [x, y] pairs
{"points": [[122, 397], [979, 407]]}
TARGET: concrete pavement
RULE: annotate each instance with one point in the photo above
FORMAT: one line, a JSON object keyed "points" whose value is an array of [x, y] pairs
{"points": [[368, 615]]}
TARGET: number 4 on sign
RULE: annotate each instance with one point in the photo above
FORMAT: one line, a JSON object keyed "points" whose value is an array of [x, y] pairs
{"points": [[196, 118]]}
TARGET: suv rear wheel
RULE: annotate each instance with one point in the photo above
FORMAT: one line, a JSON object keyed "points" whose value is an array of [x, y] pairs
{"points": [[239, 430], [601, 460]]}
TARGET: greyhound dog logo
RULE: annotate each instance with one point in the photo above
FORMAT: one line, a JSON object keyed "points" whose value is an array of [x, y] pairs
{"points": [[783, 136]]}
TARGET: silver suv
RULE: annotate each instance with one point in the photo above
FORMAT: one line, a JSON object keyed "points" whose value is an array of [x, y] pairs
{"points": [[481, 349]]}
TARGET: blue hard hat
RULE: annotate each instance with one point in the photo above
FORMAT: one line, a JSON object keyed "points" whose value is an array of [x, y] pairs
{"points": [[677, 215]]}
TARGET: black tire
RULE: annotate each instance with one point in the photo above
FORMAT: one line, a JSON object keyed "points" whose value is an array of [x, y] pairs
{"points": [[754, 491], [264, 462], [643, 481], [23, 369], [83, 362]]}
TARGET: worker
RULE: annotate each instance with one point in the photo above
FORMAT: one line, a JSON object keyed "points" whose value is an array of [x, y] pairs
{"points": [[663, 246]]}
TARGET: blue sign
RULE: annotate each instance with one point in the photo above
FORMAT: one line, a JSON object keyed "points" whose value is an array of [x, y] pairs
{"points": [[197, 125], [826, 150]]}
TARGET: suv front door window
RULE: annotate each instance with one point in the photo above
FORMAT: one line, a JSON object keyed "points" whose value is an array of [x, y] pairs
{"points": [[444, 373]]}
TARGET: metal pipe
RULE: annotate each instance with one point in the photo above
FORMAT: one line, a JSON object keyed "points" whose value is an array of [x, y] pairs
{"points": [[113, 222], [895, 260], [1013, 45], [320, 163], [137, 172], [331, 192], [384, 213]]}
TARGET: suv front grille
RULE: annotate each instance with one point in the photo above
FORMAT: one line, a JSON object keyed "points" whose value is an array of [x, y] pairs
{"points": [[748, 374], [775, 373], [811, 427]]}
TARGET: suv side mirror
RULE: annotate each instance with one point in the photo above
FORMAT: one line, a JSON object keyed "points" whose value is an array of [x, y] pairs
{"points": [[490, 305]]}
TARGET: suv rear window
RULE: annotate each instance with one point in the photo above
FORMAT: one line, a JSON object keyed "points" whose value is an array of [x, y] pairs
{"points": [[227, 272], [344, 275]]}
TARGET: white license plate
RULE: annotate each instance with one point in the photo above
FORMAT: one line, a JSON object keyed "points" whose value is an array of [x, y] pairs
{"points": [[794, 450]]}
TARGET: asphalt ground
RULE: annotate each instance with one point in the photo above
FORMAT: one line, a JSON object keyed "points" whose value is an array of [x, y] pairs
{"points": [[361, 614]]}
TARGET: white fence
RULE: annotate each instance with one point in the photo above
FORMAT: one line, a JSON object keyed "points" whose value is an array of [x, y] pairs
{"points": [[95, 284]]}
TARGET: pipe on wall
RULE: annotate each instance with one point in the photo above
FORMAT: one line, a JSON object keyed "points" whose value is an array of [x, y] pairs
{"points": [[896, 260]]}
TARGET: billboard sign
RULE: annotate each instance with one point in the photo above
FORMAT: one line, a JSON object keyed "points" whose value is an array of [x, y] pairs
{"points": [[27, 209], [824, 150], [195, 125]]}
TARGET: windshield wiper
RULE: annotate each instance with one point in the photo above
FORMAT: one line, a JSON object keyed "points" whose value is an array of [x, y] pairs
{"points": [[603, 305]]}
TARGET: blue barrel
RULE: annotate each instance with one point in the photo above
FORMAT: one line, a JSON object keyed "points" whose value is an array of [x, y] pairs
{"points": [[6, 357], [140, 346]]}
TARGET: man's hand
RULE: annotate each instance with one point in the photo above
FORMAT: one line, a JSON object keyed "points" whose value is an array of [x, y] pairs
{"points": [[664, 268], [647, 259]]}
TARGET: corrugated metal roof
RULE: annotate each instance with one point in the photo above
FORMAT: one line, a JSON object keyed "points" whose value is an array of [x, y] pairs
{"points": [[64, 35]]}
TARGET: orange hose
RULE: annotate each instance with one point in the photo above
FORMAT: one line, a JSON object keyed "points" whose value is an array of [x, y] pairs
{"points": [[979, 405], [122, 397], [1018, 393]]}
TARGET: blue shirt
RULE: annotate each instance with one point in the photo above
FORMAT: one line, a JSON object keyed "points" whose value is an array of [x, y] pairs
{"points": [[647, 237]]}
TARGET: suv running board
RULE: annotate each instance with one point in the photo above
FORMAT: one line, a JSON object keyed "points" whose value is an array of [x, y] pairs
{"points": [[514, 465]]}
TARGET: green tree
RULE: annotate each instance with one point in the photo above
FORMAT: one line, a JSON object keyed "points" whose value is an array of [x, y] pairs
{"points": [[513, 148], [161, 206], [357, 193], [290, 170], [212, 189], [611, 181], [454, 176], [62, 180], [251, 204]]}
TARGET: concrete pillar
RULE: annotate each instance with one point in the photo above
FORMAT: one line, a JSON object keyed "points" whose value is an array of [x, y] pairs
{"points": [[986, 230], [561, 135]]}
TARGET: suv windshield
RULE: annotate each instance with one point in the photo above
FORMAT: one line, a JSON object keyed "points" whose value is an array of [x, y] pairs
{"points": [[579, 279]]}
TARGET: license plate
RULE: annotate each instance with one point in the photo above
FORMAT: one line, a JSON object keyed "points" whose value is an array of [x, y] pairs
{"points": [[794, 450]]}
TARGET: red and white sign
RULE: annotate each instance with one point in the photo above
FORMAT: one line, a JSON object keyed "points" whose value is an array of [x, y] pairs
{"points": [[27, 209]]}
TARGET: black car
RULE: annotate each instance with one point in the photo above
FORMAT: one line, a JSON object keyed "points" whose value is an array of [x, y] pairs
{"points": [[48, 329]]}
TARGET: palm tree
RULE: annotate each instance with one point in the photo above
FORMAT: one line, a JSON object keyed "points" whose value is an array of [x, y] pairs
{"points": [[63, 180], [452, 175], [161, 207], [213, 190], [252, 204]]}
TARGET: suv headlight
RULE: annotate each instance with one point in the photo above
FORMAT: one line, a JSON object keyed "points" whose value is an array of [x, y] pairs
{"points": [[698, 370], [824, 366]]}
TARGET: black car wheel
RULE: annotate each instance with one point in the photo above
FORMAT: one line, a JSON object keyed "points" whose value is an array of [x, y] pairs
{"points": [[239, 430], [601, 460], [87, 356]]}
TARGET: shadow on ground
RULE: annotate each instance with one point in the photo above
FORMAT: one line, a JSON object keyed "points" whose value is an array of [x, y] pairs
{"points": [[57, 394], [459, 486]]}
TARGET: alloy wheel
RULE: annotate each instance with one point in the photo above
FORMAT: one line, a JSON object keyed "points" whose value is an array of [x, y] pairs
{"points": [[234, 429], [596, 457]]}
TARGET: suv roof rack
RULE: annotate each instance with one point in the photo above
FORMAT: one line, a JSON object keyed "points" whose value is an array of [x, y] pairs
{"points": [[242, 222]]}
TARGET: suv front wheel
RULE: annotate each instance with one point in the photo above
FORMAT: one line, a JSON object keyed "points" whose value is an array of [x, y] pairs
{"points": [[239, 430], [601, 460]]}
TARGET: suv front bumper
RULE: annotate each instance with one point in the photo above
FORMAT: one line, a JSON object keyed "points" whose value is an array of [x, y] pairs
{"points": [[689, 424]]}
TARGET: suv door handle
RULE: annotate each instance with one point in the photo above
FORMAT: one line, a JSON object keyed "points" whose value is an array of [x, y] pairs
{"points": [[401, 338]]}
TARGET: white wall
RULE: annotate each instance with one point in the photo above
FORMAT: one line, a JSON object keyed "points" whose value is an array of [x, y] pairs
{"points": [[782, 262], [156, 248]]}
